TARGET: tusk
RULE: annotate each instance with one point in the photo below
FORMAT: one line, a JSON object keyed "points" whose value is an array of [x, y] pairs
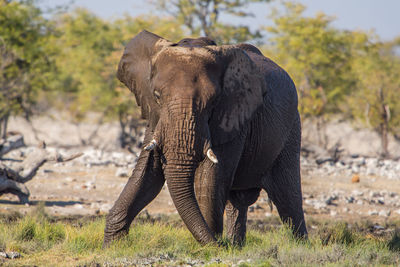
{"points": [[151, 145], [211, 156]]}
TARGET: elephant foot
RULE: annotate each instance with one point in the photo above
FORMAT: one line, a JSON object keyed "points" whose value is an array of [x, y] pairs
{"points": [[300, 230], [117, 226], [109, 238], [236, 213]]}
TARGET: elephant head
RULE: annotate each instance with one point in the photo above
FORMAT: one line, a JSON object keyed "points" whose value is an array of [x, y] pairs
{"points": [[194, 97]]}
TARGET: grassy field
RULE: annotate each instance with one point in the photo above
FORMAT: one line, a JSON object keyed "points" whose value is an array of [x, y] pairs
{"points": [[47, 241]]}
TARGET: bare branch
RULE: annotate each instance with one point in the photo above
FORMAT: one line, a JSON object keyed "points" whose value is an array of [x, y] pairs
{"points": [[13, 142], [12, 179]]}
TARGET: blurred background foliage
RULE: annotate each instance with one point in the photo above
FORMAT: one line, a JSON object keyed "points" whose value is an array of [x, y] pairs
{"points": [[67, 61]]}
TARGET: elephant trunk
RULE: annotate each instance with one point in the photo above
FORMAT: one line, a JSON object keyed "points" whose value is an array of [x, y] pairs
{"points": [[182, 152], [180, 180]]}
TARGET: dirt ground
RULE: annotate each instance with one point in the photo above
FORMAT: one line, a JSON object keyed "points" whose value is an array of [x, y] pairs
{"points": [[73, 188], [81, 190]]}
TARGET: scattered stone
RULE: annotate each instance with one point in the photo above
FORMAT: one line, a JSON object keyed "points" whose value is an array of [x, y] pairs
{"points": [[350, 199], [329, 200], [106, 207], [379, 227], [374, 194], [10, 255], [13, 255], [384, 213], [373, 212], [95, 205], [121, 172], [355, 178], [70, 179], [78, 206], [89, 185], [357, 193]]}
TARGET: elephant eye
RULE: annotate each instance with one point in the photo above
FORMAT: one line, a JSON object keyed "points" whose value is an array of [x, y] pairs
{"points": [[157, 95]]}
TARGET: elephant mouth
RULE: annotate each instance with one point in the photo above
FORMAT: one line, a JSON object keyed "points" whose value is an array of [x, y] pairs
{"points": [[206, 140]]}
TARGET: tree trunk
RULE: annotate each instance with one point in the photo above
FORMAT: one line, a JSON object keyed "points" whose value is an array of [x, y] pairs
{"points": [[3, 127], [383, 131], [384, 125]]}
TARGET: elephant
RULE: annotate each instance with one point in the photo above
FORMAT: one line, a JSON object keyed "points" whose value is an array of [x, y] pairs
{"points": [[222, 124]]}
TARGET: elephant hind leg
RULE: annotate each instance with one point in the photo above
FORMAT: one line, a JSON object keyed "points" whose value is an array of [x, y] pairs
{"points": [[236, 213], [283, 185]]}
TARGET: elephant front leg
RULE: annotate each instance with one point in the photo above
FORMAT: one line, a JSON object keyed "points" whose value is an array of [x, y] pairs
{"points": [[142, 187], [236, 213]]}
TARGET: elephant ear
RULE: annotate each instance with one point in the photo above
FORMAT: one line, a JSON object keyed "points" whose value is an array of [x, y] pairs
{"points": [[240, 98], [134, 70]]}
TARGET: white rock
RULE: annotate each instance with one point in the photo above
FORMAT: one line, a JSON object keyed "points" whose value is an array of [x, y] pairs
{"points": [[357, 193], [379, 227], [349, 199], [90, 185], [70, 179], [121, 172], [105, 207], [373, 212], [319, 205], [384, 213], [374, 194], [355, 169], [95, 205]]}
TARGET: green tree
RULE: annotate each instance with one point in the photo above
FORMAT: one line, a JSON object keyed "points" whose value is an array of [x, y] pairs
{"points": [[317, 56], [376, 100], [24, 61], [83, 44], [203, 18], [88, 51]]}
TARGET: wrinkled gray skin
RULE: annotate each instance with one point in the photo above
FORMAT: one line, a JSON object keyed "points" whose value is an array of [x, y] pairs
{"points": [[198, 96]]}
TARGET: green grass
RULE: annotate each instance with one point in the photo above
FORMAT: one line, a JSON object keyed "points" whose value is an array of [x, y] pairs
{"points": [[46, 241]]}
